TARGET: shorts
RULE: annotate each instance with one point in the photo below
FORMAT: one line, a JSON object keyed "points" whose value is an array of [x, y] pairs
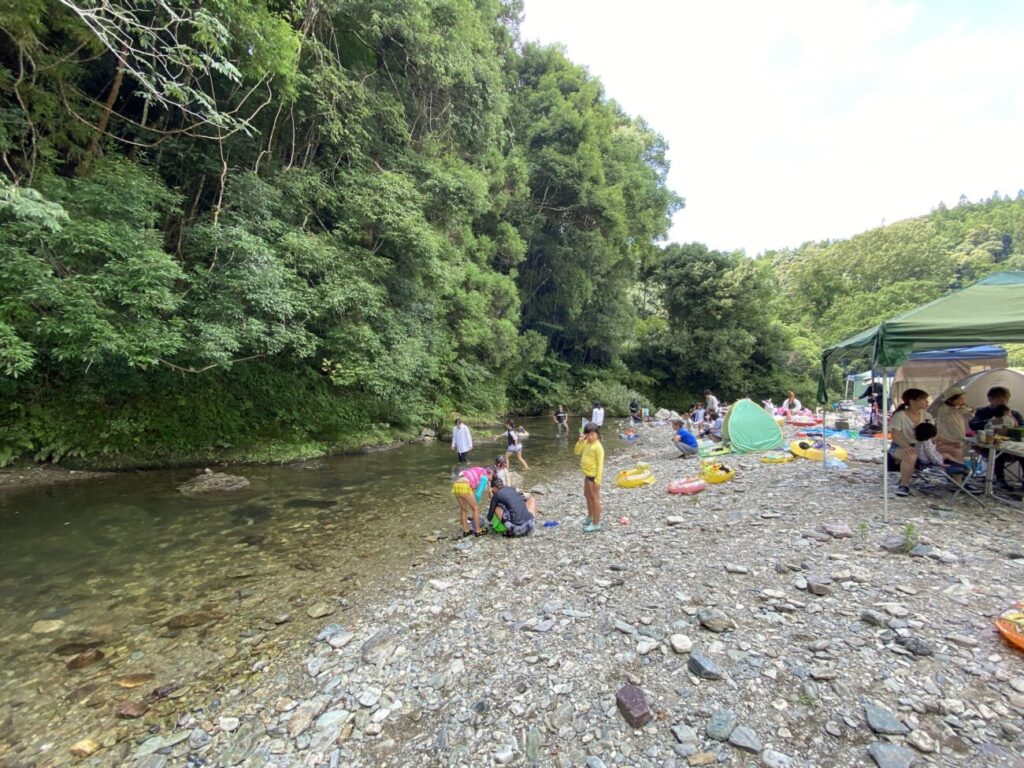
{"points": [[517, 448], [521, 530], [462, 488]]}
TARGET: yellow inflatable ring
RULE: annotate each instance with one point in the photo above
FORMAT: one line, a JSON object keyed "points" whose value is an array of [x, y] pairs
{"points": [[634, 478], [777, 457], [805, 449]]}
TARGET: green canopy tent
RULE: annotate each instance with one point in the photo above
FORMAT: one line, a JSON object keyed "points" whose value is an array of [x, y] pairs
{"points": [[991, 311], [748, 427]]}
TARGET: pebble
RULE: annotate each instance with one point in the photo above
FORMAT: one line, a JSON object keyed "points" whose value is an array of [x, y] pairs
{"points": [[228, 724], [881, 720], [369, 696], [633, 706], [921, 741], [703, 667], [772, 759], [891, 755], [680, 643], [714, 620], [744, 738], [721, 724], [319, 610]]}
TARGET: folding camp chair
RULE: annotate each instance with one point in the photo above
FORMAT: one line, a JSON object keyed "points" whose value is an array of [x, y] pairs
{"points": [[932, 480]]}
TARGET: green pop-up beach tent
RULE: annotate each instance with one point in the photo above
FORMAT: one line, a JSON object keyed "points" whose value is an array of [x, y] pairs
{"points": [[989, 312], [749, 427]]}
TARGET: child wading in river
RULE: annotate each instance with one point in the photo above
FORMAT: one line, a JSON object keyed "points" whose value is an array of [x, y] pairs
{"points": [[591, 454]]}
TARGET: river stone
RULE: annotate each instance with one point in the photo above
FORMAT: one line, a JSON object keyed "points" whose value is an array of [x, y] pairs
{"points": [[378, 649], [240, 744], [193, 619], [369, 696], [921, 741], [213, 482], [85, 659], [646, 645], [304, 714], [714, 620], [46, 627], [133, 710], [84, 748], [744, 738], [593, 761], [633, 705], [684, 734], [702, 758], [881, 720], [151, 761], [772, 759], [703, 667], [133, 680], [819, 585], [721, 724], [874, 618], [891, 755], [680, 643], [341, 639], [915, 645], [838, 530], [319, 610]]}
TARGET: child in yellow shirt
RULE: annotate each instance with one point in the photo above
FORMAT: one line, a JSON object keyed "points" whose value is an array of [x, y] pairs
{"points": [[591, 454]]}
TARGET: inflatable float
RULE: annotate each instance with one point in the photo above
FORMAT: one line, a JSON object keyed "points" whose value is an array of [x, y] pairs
{"points": [[715, 473], [776, 457], [634, 478], [807, 449], [687, 487], [803, 421], [715, 450]]}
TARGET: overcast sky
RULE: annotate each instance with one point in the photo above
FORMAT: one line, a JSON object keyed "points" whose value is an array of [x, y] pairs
{"points": [[805, 120]]}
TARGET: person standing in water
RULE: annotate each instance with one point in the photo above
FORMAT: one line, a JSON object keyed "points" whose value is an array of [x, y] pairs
{"points": [[591, 454], [515, 444], [562, 419], [462, 441]]}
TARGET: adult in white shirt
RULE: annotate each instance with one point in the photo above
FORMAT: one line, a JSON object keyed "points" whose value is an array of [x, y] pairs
{"points": [[710, 401], [903, 447], [462, 441], [597, 416]]}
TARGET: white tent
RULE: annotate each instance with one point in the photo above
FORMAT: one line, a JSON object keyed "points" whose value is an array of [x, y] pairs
{"points": [[978, 384]]}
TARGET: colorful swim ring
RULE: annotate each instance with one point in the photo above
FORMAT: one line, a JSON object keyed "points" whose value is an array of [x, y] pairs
{"points": [[807, 421], [776, 457], [688, 486], [716, 473], [807, 449], [716, 450], [634, 478]]}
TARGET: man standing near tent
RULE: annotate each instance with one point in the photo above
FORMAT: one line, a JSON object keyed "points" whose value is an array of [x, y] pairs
{"points": [[997, 396]]}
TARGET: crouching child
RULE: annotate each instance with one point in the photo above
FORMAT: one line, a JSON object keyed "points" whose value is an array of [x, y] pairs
{"points": [[515, 513]]}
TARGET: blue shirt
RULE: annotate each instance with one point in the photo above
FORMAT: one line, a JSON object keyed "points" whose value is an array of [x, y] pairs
{"points": [[686, 437]]}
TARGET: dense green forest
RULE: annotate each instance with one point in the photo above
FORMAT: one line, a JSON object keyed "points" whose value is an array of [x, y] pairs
{"points": [[267, 229]]}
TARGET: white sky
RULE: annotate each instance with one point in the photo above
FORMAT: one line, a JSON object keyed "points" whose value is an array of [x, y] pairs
{"points": [[809, 119]]}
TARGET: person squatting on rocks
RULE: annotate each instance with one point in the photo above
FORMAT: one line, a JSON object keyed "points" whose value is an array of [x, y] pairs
{"points": [[469, 488], [591, 454], [683, 440], [462, 441], [515, 512], [515, 444]]}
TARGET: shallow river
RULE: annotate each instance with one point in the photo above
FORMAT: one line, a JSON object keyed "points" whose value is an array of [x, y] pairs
{"points": [[124, 576]]}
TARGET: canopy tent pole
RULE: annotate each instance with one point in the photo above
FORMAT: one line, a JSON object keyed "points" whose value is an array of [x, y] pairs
{"points": [[885, 446]]}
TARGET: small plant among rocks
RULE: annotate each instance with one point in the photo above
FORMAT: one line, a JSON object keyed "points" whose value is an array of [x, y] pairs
{"points": [[910, 537]]}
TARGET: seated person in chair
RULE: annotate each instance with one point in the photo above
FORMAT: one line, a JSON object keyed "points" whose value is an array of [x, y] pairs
{"points": [[997, 396]]}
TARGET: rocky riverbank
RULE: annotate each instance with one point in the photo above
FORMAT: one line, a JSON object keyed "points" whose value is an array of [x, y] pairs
{"points": [[774, 620]]}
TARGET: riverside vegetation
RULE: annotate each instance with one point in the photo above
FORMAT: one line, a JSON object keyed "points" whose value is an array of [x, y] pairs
{"points": [[264, 230]]}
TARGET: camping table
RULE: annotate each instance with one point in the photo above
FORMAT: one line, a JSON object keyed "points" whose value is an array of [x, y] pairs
{"points": [[993, 451]]}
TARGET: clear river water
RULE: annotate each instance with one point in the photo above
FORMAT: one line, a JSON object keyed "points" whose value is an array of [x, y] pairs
{"points": [[111, 581]]}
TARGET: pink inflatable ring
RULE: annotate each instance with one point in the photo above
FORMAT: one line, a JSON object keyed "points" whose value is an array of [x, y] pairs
{"points": [[687, 487]]}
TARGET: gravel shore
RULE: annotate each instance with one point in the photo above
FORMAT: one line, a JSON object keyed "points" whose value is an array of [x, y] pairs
{"points": [[773, 620]]}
